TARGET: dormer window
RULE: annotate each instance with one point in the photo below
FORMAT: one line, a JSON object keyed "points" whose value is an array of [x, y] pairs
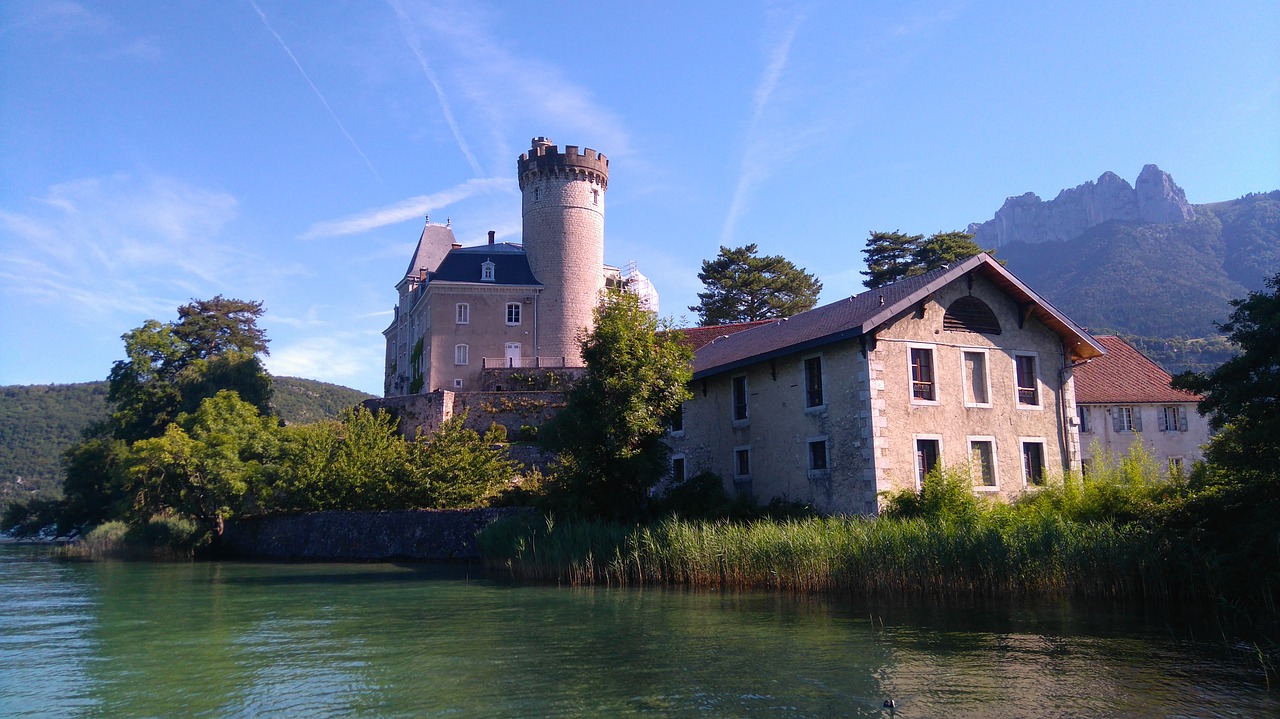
{"points": [[486, 271]]}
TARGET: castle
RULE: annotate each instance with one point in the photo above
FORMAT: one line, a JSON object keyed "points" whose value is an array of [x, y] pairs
{"points": [[462, 310]]}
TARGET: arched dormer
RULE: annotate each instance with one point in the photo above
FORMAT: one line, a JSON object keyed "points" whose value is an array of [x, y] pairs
{"points": [[970, 314], [486, 271]]}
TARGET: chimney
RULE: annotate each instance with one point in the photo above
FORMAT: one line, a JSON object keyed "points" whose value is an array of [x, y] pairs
{"points": [[491, 234]]}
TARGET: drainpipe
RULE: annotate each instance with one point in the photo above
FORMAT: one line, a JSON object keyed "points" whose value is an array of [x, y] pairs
{"points": [[1064, 441]]}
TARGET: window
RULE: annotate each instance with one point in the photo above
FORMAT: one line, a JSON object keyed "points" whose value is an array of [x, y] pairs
{"points": [[457, 383], [982, 463], [460, 354], [970, 314], [1028, 385], [740, 398], [1173, 418], [676, 422], [922, 385], [1176, 467], [595, 197], [463, 313], [742, 463], [1033, 462], [813, 382], [1086, 422], [486, 270], [927, 453], [817, 455], [976, 391], [1126, 419], [677, 468], [513, 313]]}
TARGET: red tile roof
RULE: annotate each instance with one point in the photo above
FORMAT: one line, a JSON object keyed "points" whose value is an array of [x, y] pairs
{"points": [[697, 337], [1125, 375]]}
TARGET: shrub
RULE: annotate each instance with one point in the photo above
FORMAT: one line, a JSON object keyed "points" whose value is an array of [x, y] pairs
{"points": [[701, 496], [528, 433]]}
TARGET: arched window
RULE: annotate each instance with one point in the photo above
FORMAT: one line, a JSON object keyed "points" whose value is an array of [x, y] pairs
{"points": [[970, 314]]}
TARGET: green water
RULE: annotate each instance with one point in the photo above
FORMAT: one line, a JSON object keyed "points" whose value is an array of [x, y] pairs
{"points": [[383, 640]]}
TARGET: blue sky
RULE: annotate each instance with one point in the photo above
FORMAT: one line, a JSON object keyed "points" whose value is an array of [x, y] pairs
{"points": [[152, 152]]}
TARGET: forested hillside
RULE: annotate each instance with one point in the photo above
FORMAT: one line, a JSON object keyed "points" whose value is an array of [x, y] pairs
{"points": [[39, 422], [1163, 285]]}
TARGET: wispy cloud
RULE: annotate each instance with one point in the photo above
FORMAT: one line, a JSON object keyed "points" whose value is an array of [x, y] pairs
{"points": [[266, 23], [404, 209], [119, 243], [411, 37], [80, 30], [752, 169], [338, 358], [498, 90]]}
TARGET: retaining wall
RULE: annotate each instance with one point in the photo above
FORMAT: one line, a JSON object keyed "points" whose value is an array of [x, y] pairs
{"points": [[419, 535]]}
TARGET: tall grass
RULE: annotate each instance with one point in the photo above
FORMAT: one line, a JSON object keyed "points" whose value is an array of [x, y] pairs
{"points": [[1089, 538]]}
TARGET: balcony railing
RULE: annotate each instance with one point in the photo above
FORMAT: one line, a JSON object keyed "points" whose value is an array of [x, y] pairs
{"points": [[524, 363]]}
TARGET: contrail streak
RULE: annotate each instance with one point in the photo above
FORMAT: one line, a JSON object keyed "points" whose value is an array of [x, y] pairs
{"points": [[412, 40], [315, 89], [752, 171]]}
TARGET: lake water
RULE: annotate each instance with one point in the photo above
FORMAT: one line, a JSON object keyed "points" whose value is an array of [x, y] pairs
{"points": [[383, 640]]}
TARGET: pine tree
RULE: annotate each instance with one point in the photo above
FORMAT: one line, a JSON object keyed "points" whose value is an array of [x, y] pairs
{"points": [[741, 287]]}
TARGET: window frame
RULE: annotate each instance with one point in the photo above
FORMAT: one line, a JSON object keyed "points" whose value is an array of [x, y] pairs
{"points": [[1035, 379], [684, 469], [920, 471], [1023, 443], [518, 312], [461, 354], [1126, 418], [995, 463], [825, 469], [743, 417], [462, 313], [809, 404], [739, 453], [1084, 415], [675, 423], [1179, 423], [487, 271], [933, 374], [986, 376]]}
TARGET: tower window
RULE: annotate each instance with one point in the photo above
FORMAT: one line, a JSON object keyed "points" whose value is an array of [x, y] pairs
{"points": [[463, 313], [486, 271], [513, 313], [595, 197], [461, 354]]}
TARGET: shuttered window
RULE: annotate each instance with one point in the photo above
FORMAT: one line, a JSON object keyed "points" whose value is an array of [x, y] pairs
{"points": [[970, 314]]}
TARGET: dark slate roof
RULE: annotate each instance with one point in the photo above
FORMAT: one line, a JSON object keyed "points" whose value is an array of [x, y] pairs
{"points": [[697, 337], [439, 235], [1125, 375], [510, 265], [864, 312]]}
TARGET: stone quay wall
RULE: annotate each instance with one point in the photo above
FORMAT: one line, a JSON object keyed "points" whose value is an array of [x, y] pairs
{"points": [[438, 535]]}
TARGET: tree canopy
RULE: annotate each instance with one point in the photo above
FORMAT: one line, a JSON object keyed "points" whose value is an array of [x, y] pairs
{"points": [[742, 287], [892, 256], [609, 435], [1242, 396]]}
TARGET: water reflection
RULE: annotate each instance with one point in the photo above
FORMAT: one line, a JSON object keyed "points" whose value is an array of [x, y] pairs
{"points": [[277, 640]]}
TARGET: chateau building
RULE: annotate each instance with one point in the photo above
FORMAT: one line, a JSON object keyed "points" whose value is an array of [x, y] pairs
{"points": [[1124, 398], [964, 366], [462, 310]]}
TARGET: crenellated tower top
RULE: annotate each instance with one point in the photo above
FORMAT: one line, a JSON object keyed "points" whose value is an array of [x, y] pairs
{"points": [[545, 159]]}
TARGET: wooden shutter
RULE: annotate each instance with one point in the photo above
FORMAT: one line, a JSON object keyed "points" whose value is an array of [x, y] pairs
{"points": [[1163, 416], [1182, 419], [1117, 419], [1137, 419]]}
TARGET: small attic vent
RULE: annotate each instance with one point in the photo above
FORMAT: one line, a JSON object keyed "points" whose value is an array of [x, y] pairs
{"points": [[970, 314]]}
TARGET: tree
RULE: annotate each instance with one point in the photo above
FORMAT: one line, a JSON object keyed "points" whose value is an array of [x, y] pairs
{"points": [[457, 467], [169, 370], [1242, 396], [609, 435], [892, 256], [741, 287]]}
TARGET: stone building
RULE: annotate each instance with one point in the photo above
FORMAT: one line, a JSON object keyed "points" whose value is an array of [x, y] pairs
{"points": [[1124, 398], [964, 365], [466, 315]]}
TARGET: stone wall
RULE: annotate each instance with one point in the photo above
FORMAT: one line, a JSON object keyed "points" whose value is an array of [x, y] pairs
{"points": [[510, 409], [420, 535]]}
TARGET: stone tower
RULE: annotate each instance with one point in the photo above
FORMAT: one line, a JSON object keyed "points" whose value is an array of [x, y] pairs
{"points": [[563, 226]]}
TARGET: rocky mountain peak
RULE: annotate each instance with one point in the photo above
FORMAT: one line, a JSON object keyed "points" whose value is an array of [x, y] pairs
{"points": [[1156, 198]]}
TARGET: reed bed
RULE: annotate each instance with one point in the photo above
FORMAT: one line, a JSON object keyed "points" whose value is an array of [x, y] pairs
{"points": [[985, 556]]}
